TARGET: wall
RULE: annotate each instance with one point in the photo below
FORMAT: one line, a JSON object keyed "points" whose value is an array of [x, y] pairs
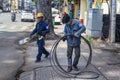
{"points": [[83, 9]]}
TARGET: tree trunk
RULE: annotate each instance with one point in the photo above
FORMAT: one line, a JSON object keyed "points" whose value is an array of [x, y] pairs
{"points": [[44, 6]]}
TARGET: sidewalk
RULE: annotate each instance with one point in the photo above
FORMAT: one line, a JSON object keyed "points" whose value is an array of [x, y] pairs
{"points": [[44, 71]]}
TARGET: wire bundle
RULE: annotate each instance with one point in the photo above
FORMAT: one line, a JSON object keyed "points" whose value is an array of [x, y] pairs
{"points": [[57, 67]]}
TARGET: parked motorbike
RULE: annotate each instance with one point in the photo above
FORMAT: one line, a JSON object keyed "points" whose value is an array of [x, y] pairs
{"points": [[13, 17]]}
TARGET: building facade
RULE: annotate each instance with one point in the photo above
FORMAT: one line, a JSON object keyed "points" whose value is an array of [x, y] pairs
{"points": [[14, 4]]}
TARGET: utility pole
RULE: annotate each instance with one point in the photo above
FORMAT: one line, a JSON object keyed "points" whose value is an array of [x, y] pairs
{"points": [[112, 20]]}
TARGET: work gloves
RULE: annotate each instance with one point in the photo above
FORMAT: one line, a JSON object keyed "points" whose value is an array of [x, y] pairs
{"points": [[72, 35]]}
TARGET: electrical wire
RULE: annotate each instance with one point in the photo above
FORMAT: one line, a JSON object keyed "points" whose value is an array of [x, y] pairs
{"points": [[57, 67]]}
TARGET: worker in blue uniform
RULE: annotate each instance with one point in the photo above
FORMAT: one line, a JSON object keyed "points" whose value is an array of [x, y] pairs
{"points": [[73, 30], [41, 29]]}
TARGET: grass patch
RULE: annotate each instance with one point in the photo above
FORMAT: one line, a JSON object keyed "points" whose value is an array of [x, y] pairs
{"points": [[89, 39]]}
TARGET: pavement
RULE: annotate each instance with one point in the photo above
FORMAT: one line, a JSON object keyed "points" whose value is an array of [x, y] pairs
{"points": [[11, 55], [101, 60]]}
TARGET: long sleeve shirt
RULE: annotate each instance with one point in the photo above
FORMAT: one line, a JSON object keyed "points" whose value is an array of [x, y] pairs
{"points": [[40, 27]]}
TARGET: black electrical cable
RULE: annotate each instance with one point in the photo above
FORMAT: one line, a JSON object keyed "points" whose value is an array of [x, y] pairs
{"points": [[58, 68]]}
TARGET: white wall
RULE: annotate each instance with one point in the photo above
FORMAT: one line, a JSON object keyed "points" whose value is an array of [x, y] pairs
{"points": [[105, 7], [118, 6]]}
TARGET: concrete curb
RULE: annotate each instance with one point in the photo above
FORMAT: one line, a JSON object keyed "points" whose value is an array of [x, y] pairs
{"points": [[27, 76], [105, 45], [18, 72]]}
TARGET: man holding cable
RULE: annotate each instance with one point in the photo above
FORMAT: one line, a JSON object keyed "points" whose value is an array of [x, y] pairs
{"points": [[73, 30]]}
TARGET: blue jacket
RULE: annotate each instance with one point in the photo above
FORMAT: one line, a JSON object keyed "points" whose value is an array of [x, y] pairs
{"points": [[40, 27], [77, 29]]}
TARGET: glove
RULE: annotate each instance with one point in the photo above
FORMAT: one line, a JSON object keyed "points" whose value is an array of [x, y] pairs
{"points": [[72, 35], [43, 33], [64, 38]]}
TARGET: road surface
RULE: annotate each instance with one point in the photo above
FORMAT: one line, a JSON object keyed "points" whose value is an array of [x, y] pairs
{"points": [[10, 57]]}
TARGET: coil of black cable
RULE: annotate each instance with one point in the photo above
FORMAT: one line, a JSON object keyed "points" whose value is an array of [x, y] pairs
{"points": [[61, 71]]}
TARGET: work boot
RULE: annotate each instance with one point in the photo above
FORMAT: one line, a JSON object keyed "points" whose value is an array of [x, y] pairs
{"points": [[75, 68], [69, 69], [37, 61], [46, 56]]}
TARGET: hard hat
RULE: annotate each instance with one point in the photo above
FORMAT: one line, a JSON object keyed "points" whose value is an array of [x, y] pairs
{"points": [[40, 15]]}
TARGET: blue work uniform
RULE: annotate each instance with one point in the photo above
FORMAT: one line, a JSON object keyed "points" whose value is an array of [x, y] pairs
{"points": [[39, 29], [73, 42]]}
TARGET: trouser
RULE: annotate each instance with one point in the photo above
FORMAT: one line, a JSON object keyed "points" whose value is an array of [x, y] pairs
{"points": [[41, 49], [69, 55]]}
